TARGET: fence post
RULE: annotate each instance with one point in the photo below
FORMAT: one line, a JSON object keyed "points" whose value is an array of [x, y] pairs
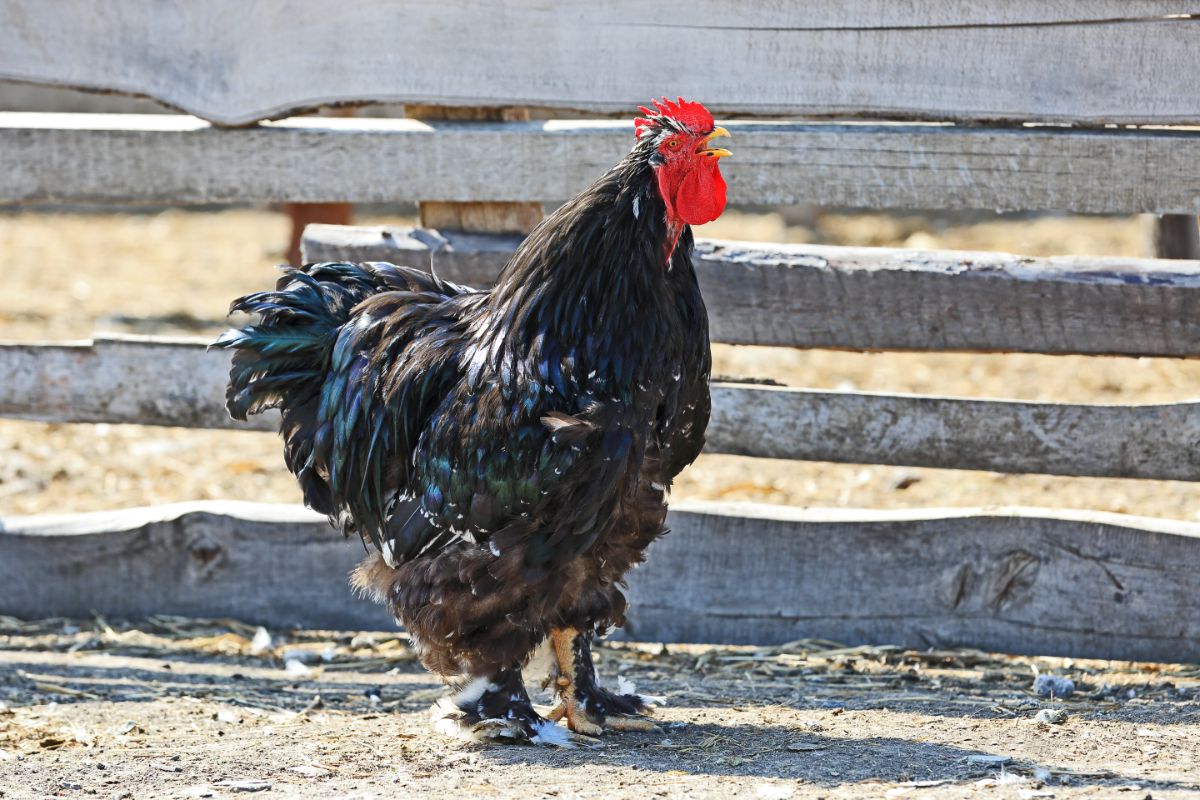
{"points": [[1176, 236], [488, 217]]}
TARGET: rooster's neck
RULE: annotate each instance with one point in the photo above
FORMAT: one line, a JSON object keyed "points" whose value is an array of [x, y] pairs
{"points": [[597, 280]]}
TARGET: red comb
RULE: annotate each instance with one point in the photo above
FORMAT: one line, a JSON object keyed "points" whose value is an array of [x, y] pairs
{"points": [[693, 116]]}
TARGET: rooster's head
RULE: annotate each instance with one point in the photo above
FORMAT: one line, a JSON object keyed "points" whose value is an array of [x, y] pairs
{"points": [[677, 139]]}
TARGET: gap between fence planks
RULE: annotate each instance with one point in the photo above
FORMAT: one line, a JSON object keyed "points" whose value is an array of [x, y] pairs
{"points": [[1096, 62], [174, 160], [164, 382], [482, 217], [875, 298], [1079, 584]]}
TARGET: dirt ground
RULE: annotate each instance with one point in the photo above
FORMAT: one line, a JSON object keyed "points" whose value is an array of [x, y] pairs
{"points": [[174, 273], [177, 708]]}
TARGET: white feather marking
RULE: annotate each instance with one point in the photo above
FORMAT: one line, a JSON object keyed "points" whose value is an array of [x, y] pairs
{"points": [[389, 553], [550, 733], [469, 695], [626, 686], [637, 206]]}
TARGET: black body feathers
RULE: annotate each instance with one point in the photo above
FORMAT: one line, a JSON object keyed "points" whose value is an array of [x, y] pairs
{"points": [[507, 451]]}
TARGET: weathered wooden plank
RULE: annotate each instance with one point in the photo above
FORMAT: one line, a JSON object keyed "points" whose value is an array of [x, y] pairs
{"points": [[1015, 580], [273, 564], [482, 217], [141, 380], [1159, 441], [877, 298], [235, 63], [147, 381], [175, 159]]}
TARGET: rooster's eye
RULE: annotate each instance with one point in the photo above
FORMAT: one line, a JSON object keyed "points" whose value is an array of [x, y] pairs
{"points": [[673, 144]]}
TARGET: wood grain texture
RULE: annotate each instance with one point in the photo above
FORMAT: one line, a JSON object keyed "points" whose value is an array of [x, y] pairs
{"points": [[1014, 580], [234, 63], [486, 216], [1011, 580], [151, 382], [876, 298], [1148, 441], [174, 159], [141, 380], [270, 564]]}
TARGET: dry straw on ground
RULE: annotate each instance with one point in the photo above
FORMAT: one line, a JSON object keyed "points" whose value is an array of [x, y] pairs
{"points": [[170, 707]]}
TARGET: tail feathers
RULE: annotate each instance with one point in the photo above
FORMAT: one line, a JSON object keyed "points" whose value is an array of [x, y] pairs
{"points": [[319, 352], [281, 362], [272, 365]]}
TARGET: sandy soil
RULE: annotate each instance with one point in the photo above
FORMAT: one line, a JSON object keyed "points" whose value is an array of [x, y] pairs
{"points": [[68, 275], [182, 709]]}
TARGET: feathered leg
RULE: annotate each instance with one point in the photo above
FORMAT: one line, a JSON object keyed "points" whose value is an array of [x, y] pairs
{"points": [[474, 633], [587, 708], [498, 708]]}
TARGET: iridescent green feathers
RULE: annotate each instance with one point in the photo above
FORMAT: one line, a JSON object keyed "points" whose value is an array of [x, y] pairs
{"points": [[331, 350]]}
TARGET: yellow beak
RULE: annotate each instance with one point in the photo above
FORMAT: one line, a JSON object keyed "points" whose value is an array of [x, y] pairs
{"points": [[716, 152]]}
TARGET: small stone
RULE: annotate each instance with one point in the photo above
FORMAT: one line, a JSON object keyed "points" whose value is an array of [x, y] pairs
{"points": [[1051, 716], [261, 641], [244, 786], [296, 668], [1053, 686], [987, 758]]}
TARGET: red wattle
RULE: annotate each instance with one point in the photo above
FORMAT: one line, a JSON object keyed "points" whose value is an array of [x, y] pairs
{"points": [[700, 196]]}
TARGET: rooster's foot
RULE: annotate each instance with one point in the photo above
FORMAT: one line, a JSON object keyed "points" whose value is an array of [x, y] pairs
{"points": [[587, 708], [499, 710]]}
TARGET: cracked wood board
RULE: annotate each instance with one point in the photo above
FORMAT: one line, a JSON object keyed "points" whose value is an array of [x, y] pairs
{"points": [[150, 381], [174, 160], [232, 63], [874, 298], [1088, 585]]}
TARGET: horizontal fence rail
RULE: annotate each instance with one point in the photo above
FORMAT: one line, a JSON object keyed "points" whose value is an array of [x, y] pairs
{"points": [[174, 159], [875, 298], [235, 63], [161, 382], [1013, 580]]}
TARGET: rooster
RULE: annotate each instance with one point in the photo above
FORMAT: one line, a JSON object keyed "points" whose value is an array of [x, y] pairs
{"points": [[506, 454]]}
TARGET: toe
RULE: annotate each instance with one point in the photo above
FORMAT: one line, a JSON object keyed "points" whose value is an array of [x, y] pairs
{"points": [[498, 729], [581, 724], [629, 722]]}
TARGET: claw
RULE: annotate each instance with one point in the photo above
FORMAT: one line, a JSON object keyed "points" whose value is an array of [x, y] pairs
{"points": [[497, 729], [575, 666], [613, 722]]}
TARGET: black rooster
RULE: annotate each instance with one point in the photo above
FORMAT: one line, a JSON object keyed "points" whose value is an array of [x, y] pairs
{"points": [[507, 452]]}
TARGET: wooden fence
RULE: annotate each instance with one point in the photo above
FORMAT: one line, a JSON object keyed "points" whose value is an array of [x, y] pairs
{"points": [[1024, 580]]}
